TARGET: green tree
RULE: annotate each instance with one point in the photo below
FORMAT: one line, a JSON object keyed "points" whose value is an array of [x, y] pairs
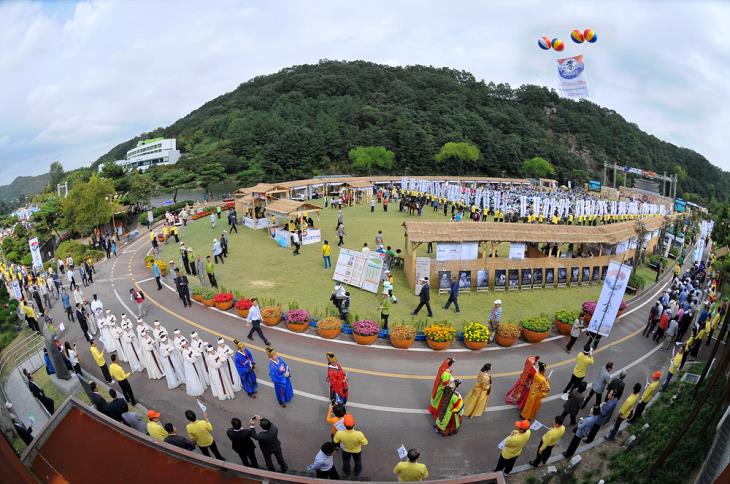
{"points": [[46, 221], [89, 204], [457, 152], [365, 159], [141, 188], [55, 175], [111, 170], [209, 174], [537, 167], [176, 179]]}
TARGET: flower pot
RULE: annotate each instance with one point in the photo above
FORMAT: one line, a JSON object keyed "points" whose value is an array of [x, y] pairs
{"points": [[329, 333], [403, 344], [164, 272], [297, 327], [242, 312], [620, 313], [563, 328], [475, 345], [224, 306], [364, 340], [587, 318], [438, 345], [197, 297], [504, 341], [208, 302], [272, 321], [533, 336]]}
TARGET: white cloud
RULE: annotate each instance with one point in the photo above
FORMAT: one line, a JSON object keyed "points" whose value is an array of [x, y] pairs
{"points": [[80, 78]]}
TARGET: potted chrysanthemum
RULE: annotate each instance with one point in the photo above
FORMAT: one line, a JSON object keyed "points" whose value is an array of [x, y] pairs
{"points": [[476, 335], [439, 335], [297, 320], [365, 332], [329, 327], [242, 306]]}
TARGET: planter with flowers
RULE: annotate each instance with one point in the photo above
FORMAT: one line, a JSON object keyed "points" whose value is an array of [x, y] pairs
{"points": [[507, 334], [271, 315], [439, 336], [207, 297], [223, 301], [476, 335], [242, 306], [297, 320], [402, 336], [564, 320], [589, 308], [150, 260], [537, 328], [329, 327], [365, 332], [197, 294]]}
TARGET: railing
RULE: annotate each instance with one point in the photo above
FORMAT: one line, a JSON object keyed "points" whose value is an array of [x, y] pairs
{"points": [[20, 352]]}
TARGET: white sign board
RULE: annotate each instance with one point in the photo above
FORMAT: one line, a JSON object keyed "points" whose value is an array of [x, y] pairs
{"points": [[356, 269], [614, 287], [446, 251], [258, 223], [517, 250], [622, 247], [311, 236], [423, 269], [469, 250]]}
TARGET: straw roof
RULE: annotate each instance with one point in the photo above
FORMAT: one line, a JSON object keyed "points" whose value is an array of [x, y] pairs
{"points": [[285, 207], [246, 201], [722, 252], [359, 184], [521, 232]]}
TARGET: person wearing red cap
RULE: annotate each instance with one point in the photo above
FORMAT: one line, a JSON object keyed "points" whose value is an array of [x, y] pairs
{"points": [[649, 392], [154, 427], [513, 445], [352, 441]]}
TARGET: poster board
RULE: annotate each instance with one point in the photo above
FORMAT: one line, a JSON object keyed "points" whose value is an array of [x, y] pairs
{"points": [[574, 276], [517, 250], [447, 251], [311, 236], [482, 280], [423, 269], [359, 270], [562, 276], [513, 279], [444, 278], [549, 277], [596, 274], [469, 250], [500, 279], [373, 273], [537, 278], [465, 281], [526, 278]]}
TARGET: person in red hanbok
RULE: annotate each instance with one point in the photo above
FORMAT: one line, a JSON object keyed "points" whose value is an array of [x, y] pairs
{"points": [[517, 395], [337, 379], [443, 378]]}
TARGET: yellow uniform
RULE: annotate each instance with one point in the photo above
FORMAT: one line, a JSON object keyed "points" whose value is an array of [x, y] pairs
{"points": [[326, 250], [514, 444], [410, 471], [649, 391], [582, 362], [552, 437], [156, 431], [628, 405], [351, 440], [117, 372], [199, 432], [98, 355]]}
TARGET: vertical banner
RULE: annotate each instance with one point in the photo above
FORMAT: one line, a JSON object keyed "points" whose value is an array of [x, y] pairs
{"points": [[35, 252], [423, 269], [571, 77], [614, 287]]}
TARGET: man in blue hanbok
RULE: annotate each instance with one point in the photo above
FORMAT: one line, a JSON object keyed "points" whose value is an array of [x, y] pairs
{"points": [[245, 366], [280, 376]]}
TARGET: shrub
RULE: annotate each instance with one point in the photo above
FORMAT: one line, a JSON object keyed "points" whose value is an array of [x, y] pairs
{"points": [[440, 332], [402, 331], [223, 297], [159, 212], [198, 291], [366, 327], [244, 304], [476, 332], [636, 281], [160, 263], [297, 316], [589, 307], [538, 324], [208, 293], [656, 259], [271, 312], [566, 317], [508, 330], [77, 250], [329, 322]]}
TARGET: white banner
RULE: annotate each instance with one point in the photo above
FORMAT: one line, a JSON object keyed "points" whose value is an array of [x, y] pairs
{"points": [[571, 77], [517, 250], [446, 251], [423, 269], [614, 287], [35, 251]]}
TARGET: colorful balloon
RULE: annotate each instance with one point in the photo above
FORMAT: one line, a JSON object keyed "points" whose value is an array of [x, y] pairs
{"points": [[590, 36], [544, 43], [577, 36], [558, 44]]}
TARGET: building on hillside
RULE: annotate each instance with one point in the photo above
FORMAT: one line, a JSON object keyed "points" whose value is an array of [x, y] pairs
{"points": [[151, 152]]}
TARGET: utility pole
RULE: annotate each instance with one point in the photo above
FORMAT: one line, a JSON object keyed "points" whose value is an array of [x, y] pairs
{"points": [[605, 168], [614, 174]]}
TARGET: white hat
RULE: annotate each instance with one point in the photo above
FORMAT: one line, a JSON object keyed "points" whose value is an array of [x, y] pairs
{"points": [[177, 331], [194, 333], [221, 341], [497, 301], [8, 405], [157, 321]]}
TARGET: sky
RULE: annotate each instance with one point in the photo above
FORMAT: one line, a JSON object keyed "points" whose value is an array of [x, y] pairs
{"points": [[77, 78]]}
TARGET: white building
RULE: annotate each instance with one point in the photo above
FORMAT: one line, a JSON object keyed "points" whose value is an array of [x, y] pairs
{"points": [[151, 152]]}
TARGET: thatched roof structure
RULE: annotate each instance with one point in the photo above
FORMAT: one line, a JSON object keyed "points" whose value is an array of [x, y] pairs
{"points": [[286, 207], [522, 232]]}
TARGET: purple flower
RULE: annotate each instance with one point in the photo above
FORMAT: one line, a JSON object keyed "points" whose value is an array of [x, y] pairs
{"points": [[589, 307], [366, 327], [297, 316]]}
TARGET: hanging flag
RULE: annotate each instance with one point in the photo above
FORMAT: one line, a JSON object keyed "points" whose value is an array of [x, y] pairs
{"points": [[571, 77]]}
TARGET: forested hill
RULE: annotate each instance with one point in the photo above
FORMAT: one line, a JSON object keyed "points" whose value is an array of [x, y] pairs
{"points": [[303, 120]]}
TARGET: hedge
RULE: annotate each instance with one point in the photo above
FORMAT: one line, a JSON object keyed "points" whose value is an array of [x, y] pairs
{"points": [[77, 250], [159, 212]]}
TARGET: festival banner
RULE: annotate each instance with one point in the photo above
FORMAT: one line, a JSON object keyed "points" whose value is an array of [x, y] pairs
{"points": [[571, 77], [614, 287], [423, 269], [35, 252]]}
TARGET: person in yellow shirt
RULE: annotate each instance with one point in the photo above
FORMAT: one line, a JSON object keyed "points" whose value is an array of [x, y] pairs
{"points": [[352, 441], [412, 470], [513, 445], [549, 439], [326, 251], [200, 433], [674, 364], [154, 427], [649, 392], [121, 376], [625, 411], [582, 361], [99, 359], [30, 316]]}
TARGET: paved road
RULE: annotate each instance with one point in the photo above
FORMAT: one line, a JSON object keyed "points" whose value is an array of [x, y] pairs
{"points": [[389, 389]]}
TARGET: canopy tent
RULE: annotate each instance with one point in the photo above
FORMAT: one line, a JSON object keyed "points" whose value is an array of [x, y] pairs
{"points": [[288, 216]]}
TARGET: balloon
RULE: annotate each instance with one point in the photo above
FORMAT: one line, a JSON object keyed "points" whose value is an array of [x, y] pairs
{"points": [[577, 36], [590, 35], [558, 44], [544, 43]]}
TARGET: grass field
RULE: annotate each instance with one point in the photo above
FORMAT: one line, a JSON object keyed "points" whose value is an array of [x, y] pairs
{"points": [[256, 266]]}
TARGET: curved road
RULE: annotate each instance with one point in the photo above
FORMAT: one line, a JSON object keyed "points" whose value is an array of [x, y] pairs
{"points": [[389, 388]]}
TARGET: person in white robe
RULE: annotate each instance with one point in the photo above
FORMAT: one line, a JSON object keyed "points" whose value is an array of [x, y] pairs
{"points": [[173, 373], [117, 335], [106, 323], [194, 383], [131, 348], [220, 384], [124, 321], [201, 347], [151, 357], [141, 328], [158, 331], [97, 310], [227, 354]]}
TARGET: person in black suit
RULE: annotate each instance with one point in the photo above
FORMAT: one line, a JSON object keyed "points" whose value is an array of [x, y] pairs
{"points": [[268, 442], [425, 298], [242, 443], [98, 401], [181, 283], [177, 440], [40, 394], [81, 318], [117, 406]]}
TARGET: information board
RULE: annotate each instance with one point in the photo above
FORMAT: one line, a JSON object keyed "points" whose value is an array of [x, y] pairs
{"points": [[356, 269], [517, 250], [446, 252], [423, 269]]}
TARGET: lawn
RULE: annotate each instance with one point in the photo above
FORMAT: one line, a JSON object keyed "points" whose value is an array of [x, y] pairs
{"points": [[256, 266]]}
